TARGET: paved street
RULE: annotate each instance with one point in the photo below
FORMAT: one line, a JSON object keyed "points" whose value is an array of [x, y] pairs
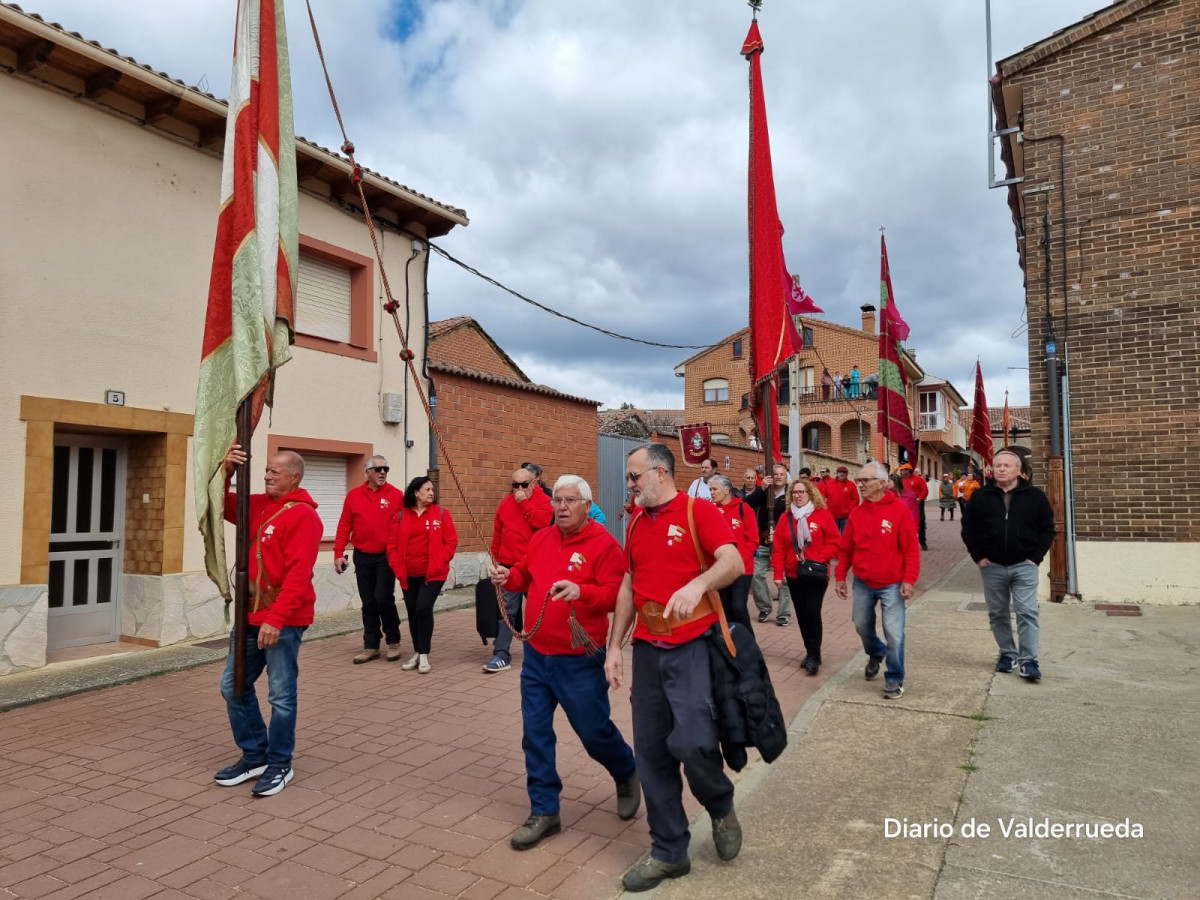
{"points": [[407, 786]]}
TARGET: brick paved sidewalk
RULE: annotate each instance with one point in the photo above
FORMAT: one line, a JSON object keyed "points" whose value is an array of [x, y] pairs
{"points": [[407, 786]]}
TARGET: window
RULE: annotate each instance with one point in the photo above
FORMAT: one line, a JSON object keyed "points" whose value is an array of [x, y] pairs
{"points": [[720, 438], [334, 300], [807, 334], [737, 349], [812, 437], [785, 386], [745, 401], [716, 390], [930, 407]]}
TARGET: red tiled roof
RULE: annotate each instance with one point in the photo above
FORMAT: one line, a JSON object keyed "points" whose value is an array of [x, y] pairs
{"points": [[507, 382]]}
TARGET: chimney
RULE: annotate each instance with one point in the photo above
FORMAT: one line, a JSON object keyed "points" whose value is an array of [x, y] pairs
{"points": [[868, 318]]}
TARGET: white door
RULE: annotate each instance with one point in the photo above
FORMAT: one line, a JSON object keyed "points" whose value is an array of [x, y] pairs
{"points": [[87, 520]]}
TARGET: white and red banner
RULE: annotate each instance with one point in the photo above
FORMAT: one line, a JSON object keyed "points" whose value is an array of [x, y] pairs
{"points": [[694, 443], [252, 289]]}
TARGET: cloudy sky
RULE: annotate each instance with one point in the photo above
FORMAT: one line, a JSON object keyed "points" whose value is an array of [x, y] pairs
{"points": [[600, 151]]}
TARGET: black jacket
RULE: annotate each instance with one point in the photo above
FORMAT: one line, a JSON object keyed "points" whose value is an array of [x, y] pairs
{"points": [[748, 714], [757, 501], [1006, 537]]}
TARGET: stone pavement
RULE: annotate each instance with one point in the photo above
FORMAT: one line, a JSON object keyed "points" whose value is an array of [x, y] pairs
{"points": [[408, 786]]}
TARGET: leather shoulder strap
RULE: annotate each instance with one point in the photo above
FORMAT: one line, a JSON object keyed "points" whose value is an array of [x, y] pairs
{"points": [[704, 567]]}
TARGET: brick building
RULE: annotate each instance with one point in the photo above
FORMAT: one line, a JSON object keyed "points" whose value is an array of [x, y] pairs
{"points": [[1107, 146], [492, 418], [834, 420]]}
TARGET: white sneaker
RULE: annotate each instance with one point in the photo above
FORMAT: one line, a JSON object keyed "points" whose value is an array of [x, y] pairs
{"points": [[412, 663], [423, 665]]}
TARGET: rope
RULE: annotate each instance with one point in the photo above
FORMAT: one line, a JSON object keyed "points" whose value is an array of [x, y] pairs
{"points": [[391, 307]]}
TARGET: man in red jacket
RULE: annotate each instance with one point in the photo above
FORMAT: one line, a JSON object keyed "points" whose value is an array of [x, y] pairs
{"points": [[841, 496], [880, 546], [570, 571], [366, 516], [524, 511], [287, 536], [915, 482]]}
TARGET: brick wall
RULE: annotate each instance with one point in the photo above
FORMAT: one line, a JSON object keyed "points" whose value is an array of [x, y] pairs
{"points": [[465, 346], [1126, 98], [146, 474], [489, 429]]}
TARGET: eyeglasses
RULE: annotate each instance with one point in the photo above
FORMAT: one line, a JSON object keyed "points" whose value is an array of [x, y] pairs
{"points": [[517, 485], [565, 501], [634, 476], [383, 469], [867, 480], [799, 491]]}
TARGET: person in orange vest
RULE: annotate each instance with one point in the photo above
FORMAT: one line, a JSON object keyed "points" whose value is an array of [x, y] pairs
{"points": [[958, 491], [970, 486]]}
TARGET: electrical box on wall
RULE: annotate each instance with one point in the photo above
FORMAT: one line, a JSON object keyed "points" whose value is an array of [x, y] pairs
{"points": [[391, 408]]}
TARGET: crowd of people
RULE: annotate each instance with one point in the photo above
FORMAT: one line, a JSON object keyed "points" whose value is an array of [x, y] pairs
{"points": [[691, 561]]}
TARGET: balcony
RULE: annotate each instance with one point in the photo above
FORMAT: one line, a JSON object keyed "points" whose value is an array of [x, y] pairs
{"points": [[836, 394]]}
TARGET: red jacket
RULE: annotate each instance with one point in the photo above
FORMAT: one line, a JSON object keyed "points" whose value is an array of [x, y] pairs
{"points": [[661, 557], [443, 541], [744, 525], [516, 523], [289, 545], [880, 544], [918, 485], [366, 518], [592, 559], [824, 547], [841, 497]]}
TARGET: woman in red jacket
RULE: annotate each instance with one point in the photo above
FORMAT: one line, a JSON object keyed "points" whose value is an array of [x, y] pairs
{"points": [[806, 543], [742, 521], [421, 543]]}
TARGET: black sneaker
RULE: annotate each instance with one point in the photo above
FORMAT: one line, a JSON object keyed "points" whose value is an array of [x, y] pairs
{"points": [[629, 797], [237, 773], [782, 620], [893, 691], [1004, 664], [763, 616], [274, 780], [872, 669], [1031, 671], [535, 828]]}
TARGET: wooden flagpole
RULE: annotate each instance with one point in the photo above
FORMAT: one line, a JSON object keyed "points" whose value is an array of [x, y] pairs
{"points": [[241, 565]]}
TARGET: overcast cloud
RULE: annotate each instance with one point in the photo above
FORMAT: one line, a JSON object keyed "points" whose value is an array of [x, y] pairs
{"points": [[600, 151]]}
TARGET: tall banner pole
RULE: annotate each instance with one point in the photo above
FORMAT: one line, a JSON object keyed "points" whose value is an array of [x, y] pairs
{"points": [[241, 570]]}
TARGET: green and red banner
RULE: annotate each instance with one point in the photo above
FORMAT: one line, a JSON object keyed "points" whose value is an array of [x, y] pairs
{"points": [[252, 289], [894, 423]]}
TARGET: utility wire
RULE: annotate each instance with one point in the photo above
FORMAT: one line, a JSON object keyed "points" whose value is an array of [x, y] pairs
{"points": [[492, 281]]}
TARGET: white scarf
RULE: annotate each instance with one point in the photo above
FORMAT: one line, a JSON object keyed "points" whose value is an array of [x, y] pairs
{"points": [[801, 514]]}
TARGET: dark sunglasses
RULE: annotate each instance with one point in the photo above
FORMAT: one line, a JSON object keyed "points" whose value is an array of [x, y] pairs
{"points": [[383, 469], [521, 484]]}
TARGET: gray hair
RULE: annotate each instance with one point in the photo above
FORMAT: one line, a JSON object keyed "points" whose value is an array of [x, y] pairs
{"points": [[295, 461], [585, 490], [371, 461], [1013, 454], [657, 455], [723, 481], [878, 469]]}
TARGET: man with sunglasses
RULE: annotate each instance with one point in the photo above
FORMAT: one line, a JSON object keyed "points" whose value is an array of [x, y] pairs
{"points": [[572, 573], [367, 513], [524, 511]]}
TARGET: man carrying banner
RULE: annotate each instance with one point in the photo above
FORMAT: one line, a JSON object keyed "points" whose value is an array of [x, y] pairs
{"points": [[286, 539]]}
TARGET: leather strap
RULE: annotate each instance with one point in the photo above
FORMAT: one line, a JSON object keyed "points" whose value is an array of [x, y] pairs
{"points": [[270, 591], [713, 596]]}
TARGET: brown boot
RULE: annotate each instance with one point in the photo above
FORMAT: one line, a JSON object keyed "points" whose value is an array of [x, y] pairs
{"points": [[366, 656], [393, 652]]}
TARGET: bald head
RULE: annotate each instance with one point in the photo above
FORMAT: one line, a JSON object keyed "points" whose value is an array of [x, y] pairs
{"points": [[285, 470]]}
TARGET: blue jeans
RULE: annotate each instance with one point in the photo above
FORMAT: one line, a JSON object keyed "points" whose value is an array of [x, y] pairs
{"points": [[504, 636], [250, 732], [1019, 582], [892, 612], [577, 683]]}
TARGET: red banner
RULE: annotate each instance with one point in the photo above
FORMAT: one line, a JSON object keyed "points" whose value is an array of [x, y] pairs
{"points": [[981, 425], [694, 443]]}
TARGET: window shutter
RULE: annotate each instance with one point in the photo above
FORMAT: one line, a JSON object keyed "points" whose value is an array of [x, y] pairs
{"points": [[325, 480], [323, 300]]}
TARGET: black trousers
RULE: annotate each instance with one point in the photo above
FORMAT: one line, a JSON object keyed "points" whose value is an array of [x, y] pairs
{"points": [[418, 601], [921, 525], [377, 588], [808, 596], [733, 599]]}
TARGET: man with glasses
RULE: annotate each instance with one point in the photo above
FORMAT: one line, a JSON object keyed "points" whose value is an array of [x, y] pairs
{"points": [[769, 503], [573, 572], [524, 511], [879, 546], [367, 513], [665, 589], [841, 496]]}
